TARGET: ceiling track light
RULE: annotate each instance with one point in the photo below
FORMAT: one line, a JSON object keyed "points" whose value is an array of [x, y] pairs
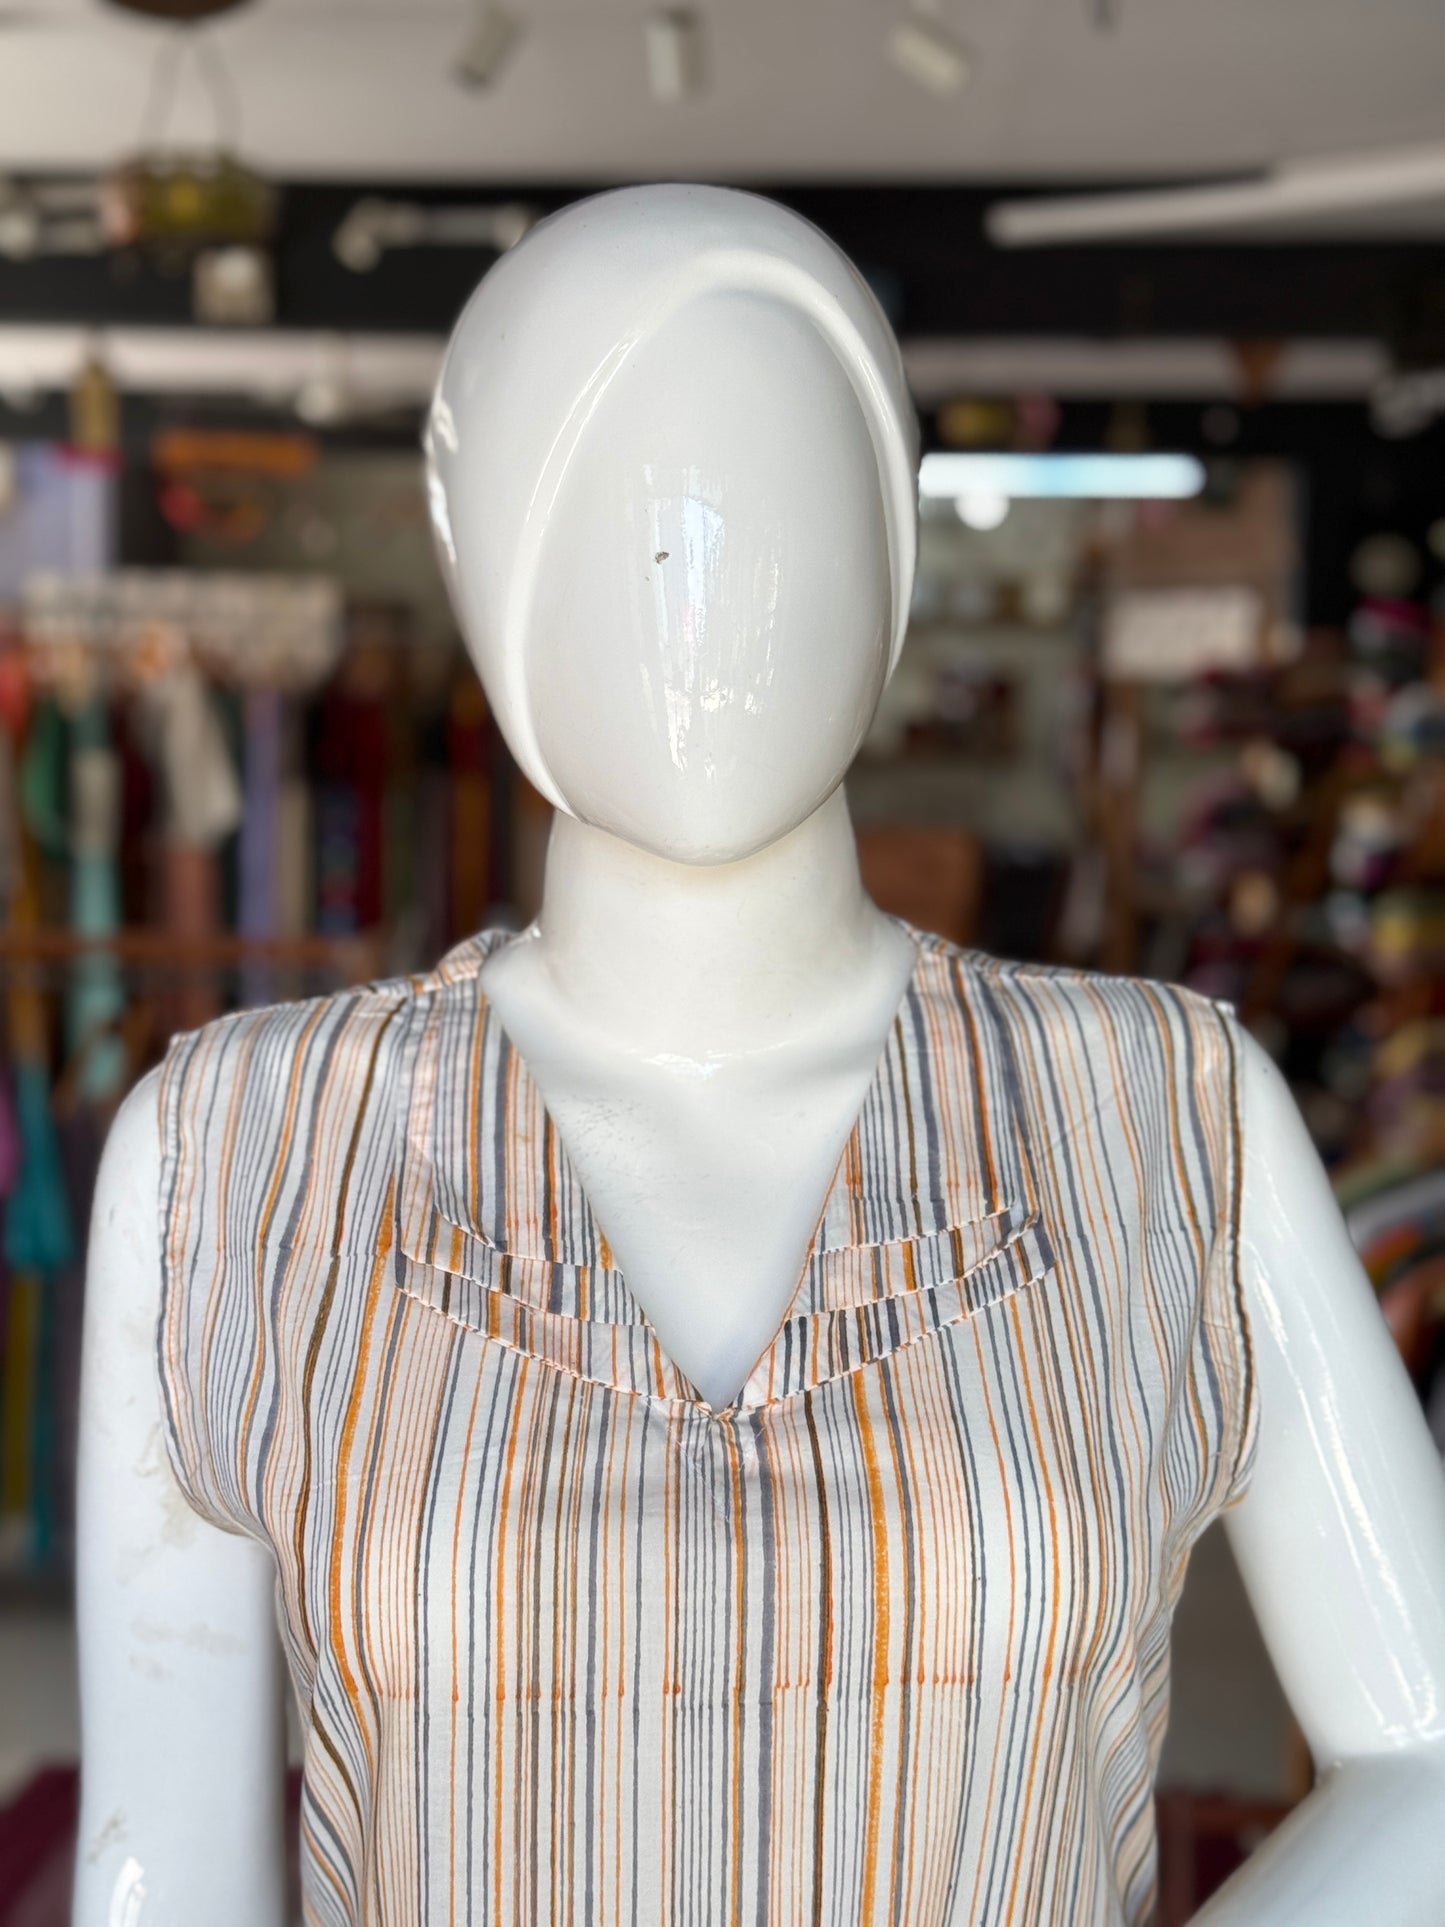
{"points": [[930, 54], [490, 43], [674, 54]]}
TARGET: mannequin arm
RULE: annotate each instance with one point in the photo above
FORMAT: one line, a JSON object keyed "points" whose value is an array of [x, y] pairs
{"points": [[181, 1805], [1340, 1540]]}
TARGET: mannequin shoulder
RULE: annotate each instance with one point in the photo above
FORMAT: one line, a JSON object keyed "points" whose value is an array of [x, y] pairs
{"points": [[1276, 1145], [128, 1182], [123, 1269], [1290, 1223], [1270, 1111], [135, 1129]]}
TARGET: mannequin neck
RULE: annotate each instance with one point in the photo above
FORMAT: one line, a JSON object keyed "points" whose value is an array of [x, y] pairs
{"points": [[748, 953]]}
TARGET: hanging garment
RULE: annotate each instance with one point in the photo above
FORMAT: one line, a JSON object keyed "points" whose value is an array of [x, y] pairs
{"points": [[191, 912], [42, 779], [10, 1145], [12, 861], [81, 1133], [351, 765], [885, 1640], [22, 1417], [338, 843], [471, 807], [97, 997], [203, 806], [39, 1240], [203, 795], [295, 870], [64, 519], [433, 856], [39, 1232], [260, 832]]}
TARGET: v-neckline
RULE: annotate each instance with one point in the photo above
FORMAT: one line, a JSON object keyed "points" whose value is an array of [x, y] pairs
{"points": [[493, 1228], [876, 1086]]}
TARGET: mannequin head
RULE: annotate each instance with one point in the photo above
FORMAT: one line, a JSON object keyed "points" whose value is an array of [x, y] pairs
{"points": [[672, 469]]}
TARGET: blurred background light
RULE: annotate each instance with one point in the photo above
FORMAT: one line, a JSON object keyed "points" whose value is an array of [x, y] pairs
{"points": [[1135, 478], [982, 509], [930, 55]]}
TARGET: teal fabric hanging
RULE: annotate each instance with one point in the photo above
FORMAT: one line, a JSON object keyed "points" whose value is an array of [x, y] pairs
{"points": [[39, 1235], [97, 990], [42, 778]]}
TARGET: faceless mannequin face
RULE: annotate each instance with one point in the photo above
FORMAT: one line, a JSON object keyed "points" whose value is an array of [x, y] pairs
{"points": [[712, 624], [672, 472]]}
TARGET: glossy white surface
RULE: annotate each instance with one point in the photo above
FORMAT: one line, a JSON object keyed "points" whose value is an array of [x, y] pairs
{"points": [[692, 374], [703, 1031], [1340, 1541], [701, 604], [182, 1768], [704, 1037]]}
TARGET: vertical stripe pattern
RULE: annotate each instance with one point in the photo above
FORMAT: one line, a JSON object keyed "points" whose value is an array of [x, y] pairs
{"points": [[885, 1640]]}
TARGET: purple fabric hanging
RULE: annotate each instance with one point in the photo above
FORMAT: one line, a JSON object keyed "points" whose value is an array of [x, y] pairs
{"points": [[258, 854], [9, 1136], [64, 519]]}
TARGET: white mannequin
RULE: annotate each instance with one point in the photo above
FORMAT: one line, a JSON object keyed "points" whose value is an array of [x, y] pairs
{"points": [[702, 1003]]}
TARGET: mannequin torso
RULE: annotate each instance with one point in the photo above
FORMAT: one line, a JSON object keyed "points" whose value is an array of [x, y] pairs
{"points": [[702, 1009]]}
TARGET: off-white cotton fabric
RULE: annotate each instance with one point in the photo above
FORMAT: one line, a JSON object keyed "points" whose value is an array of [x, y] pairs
{"points": [[884, 1641]]}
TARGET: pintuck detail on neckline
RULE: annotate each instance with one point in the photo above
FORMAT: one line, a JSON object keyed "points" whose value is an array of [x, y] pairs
{"points": [[809, 1349], [931, 1214]]}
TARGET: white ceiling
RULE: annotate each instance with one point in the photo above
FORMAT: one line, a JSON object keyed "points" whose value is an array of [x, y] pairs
{"points": [[798, 89]]}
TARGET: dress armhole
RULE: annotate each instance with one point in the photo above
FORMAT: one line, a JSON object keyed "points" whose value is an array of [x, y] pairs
{"points": [[1225, 1302]]}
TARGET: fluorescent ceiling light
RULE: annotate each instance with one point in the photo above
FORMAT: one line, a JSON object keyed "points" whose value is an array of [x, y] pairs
{"points": [[930, 56], [674, 55], [488, 46], [1180, 368], [1341, 194], [948, 477]]}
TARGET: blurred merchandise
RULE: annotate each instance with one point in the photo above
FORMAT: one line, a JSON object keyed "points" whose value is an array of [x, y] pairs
{"points": [[217, 786], [931, 876], [1169, 295]]}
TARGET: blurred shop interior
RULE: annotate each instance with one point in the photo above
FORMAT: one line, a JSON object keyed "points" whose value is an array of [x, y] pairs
{"points": [[1171, 290]]}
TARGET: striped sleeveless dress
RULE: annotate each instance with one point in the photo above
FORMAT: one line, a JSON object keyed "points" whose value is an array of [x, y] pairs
{"points": [[886, 1640]]}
